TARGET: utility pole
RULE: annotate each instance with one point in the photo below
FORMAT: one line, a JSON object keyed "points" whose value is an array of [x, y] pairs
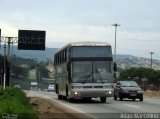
{"points": [[5, 68], [115, 25], [151, 57], [7, 61]]}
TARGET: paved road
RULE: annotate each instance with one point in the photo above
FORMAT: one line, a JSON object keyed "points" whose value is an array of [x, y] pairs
{"points": [[110, 109]]}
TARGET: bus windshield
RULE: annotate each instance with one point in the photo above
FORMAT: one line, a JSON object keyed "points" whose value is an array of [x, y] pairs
{"points": [[91, 72]]}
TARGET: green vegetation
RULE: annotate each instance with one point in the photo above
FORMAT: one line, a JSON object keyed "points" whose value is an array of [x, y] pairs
{"points": [[30, 68], [141, 73], [26, 84], [14, 103], [24, 71], [147, 78], [32, 74]]}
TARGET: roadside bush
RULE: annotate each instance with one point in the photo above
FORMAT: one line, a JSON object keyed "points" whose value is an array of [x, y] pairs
{"points": [[14, 103]]}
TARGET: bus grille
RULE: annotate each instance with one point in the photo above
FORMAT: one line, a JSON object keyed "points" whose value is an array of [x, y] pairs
{"points": [[87, 86], [98, 86], [92, 86]]}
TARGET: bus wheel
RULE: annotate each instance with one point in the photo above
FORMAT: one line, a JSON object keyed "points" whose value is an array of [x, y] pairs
{"points": [[57, 88], [57, 91], [59, 97], [103, 99], [70, 99], [67, 97], [66, 91]]}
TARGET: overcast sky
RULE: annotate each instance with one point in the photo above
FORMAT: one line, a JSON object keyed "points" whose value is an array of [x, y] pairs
{"points": [[88, 20]]}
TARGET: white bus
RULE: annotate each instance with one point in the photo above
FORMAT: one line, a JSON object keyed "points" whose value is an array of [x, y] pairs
{"points": [[84, 70]]}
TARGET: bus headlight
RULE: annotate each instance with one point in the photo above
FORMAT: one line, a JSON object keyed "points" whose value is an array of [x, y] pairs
{"points": [[108, 92], [77, 94]]}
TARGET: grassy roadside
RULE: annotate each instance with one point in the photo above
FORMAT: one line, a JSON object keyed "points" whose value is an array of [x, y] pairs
{"points": [[14, 104]]}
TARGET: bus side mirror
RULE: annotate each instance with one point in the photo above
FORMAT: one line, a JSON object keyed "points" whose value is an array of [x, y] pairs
{"points": [[115, 66]]}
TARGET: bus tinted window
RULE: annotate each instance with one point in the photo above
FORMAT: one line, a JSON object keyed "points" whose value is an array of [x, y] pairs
{"points": [[89, 51], [92, 71]]}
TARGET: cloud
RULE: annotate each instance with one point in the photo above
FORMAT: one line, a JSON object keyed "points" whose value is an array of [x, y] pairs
{"points": [[8, 30], [87, 20], [70, 33]]}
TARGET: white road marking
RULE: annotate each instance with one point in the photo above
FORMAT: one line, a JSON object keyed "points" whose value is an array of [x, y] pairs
{"points": [[133, 106]]}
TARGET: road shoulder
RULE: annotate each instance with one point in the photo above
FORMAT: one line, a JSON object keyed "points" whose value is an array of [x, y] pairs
{"points": [[48, 109]]}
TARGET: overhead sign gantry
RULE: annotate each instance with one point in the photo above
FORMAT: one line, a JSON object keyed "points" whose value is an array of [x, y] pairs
{"points": [[31, 40], [27, 40]]}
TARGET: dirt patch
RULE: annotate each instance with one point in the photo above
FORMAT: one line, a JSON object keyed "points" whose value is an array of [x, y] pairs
{"points": [[48, 109], [152, 94]]}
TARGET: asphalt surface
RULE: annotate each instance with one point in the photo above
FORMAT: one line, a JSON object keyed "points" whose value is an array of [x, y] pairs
{"points": [[149, 108]]}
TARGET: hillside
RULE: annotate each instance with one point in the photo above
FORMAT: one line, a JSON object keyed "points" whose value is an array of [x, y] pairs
{"points": [[123, 61], [127, 61], [38, 54]]}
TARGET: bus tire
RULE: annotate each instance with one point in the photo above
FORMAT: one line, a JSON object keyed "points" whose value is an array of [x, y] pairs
{"points": [[103, 99], [66, 90], [67, 97], [70, 99], [59, 97], [57, 91], [56, 88]]}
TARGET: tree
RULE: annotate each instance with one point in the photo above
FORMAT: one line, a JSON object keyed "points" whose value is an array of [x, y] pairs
{"points": [[42, 72], [20, 71], [141, 72]]}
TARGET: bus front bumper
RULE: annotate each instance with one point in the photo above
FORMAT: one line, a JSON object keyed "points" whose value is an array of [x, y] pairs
{"points": [[91, 93]]}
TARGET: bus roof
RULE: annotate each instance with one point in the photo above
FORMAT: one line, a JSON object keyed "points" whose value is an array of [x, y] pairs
{"points": [[85, 43]]}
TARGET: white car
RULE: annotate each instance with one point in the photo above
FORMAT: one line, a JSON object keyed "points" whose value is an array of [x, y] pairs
{"points": [[50, 88]]}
